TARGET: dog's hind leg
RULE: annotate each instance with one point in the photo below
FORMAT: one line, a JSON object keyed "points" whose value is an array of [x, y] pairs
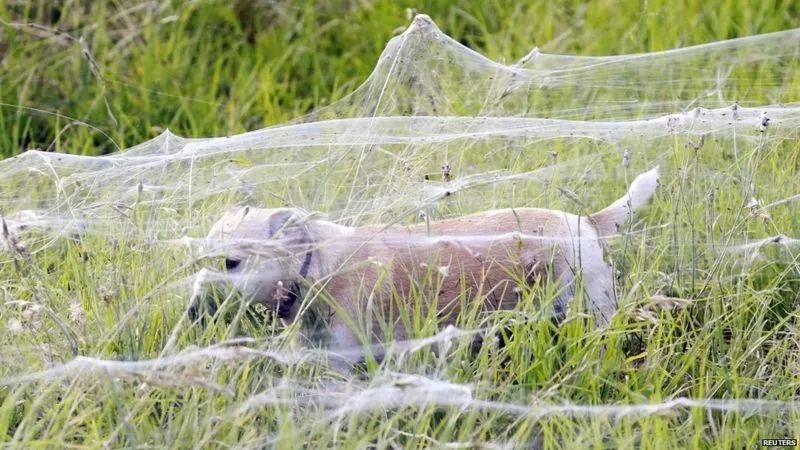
{"points": [[597, 276], [597, 281], [601, 294]]}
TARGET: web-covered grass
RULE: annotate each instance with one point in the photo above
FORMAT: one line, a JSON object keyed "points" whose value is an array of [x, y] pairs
{"points": [[99, 253]]}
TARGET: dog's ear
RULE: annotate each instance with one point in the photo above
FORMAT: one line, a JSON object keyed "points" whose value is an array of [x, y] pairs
{"points": [[288, 226], [280, 221]]}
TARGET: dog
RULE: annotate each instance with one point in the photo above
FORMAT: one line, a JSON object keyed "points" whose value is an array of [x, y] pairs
{"points": [[370, 274]]}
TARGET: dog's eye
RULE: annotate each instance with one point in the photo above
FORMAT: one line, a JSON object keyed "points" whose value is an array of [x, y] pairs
{"points": [[231, 264]]}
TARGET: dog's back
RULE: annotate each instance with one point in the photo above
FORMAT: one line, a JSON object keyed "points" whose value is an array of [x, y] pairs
{"points": [[445, 263]]}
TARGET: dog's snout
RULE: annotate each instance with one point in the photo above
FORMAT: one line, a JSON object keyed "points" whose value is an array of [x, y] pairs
{"points": [[194, 311], [200, 306], [205, 301]]}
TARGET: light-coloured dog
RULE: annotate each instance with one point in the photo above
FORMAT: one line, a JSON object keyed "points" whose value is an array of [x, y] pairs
{"points": [[369, 276]]}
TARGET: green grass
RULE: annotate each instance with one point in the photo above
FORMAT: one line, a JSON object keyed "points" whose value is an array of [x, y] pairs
{"points": [[211, 69]]}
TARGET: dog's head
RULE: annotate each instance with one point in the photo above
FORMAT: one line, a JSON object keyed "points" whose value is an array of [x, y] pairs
{"points": [[266, 252]]}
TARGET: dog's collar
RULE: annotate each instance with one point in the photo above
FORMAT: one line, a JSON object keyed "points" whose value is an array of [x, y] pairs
{"points": [[285, 307], [306, 262]]}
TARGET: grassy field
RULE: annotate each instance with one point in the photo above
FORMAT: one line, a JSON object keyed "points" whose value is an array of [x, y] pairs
{"points": [[99, 310]]}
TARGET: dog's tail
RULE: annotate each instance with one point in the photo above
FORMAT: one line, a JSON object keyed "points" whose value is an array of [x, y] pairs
{"points": [[610, 219]]}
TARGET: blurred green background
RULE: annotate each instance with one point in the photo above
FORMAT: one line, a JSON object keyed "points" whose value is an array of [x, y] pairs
{"points": [[89, 77]]}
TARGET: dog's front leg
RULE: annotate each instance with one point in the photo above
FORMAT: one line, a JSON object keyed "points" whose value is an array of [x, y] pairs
{"points": [[345, 349], [342, 335]]}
